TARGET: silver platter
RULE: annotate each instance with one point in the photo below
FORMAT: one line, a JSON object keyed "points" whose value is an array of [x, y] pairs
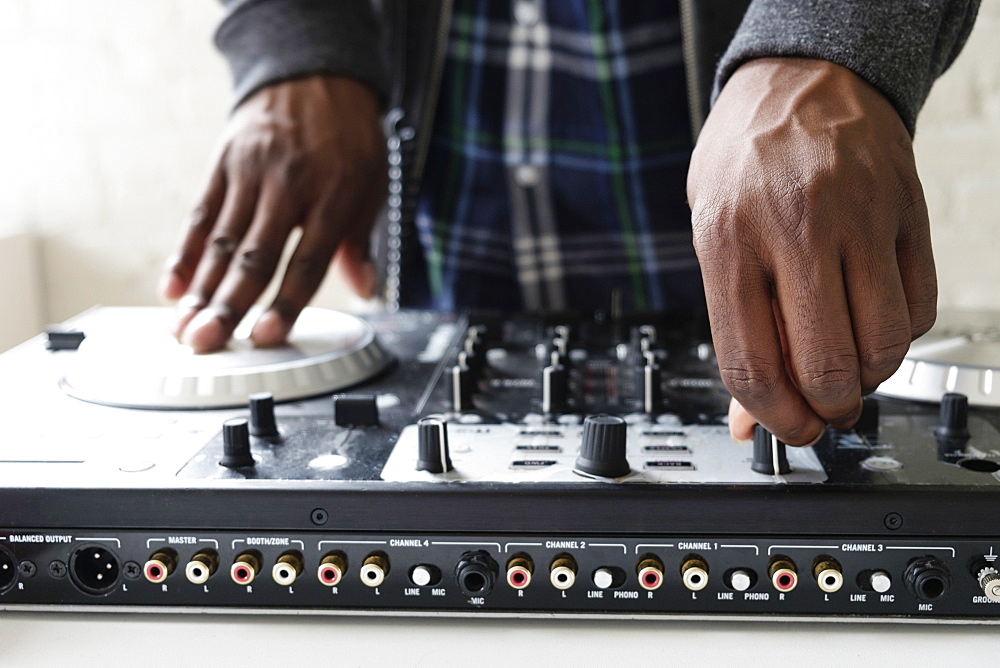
{"points": [[130, 359], [960, 354]]}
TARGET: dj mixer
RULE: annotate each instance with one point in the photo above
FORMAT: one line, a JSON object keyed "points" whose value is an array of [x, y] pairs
{"points": [[484, 464]]}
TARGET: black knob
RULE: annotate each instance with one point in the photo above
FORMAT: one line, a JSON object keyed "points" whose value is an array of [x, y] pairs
{"points": [[555, 389], [768, 451], [63, 339], [432, 440], [954, 419], [461, 388], [652, 391], [602, 452], [262, 421], [355, 410], [867, 424], [236, 444]]}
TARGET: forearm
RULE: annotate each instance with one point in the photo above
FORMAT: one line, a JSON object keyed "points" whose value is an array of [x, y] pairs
{"points": [[898, 46], [266, 41]]}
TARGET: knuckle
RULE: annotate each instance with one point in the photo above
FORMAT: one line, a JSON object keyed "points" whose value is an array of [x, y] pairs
{"points": [[829, 378], [752, 381], [884, 352], [199, 220], [221, 247], [257, 262]]}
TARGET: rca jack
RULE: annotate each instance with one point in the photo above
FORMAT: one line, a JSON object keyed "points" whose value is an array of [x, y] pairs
{"points": [[694, 573], [245, 568], [828, 574], [201, 567], [374, 569], [287, 568], [562, 571], [332, 568], [784, 575], [650, 572], [519, 569], [160, 565]]}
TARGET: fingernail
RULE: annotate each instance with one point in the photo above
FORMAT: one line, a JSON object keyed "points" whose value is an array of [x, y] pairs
{"points": [[270, 329], [205, 332], [741, 441]]}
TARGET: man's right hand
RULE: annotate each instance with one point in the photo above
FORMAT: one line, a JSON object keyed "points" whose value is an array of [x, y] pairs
{"points": [[305, 153]]}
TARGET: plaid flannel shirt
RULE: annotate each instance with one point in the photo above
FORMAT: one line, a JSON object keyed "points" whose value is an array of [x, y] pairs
{"points": [[555, 177]]}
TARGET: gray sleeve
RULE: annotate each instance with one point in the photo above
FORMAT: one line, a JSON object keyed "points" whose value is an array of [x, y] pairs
{"points": [[899, 46], [266, 41]]}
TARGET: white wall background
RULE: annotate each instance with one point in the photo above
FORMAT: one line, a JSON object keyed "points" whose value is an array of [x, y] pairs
{"points": [[109, 110]]}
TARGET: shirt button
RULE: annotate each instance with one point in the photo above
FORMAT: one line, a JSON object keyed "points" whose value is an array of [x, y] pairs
{"points": [[527, 176], [526, 13]]}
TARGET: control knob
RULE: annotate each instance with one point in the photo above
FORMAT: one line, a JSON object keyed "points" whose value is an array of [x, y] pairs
{"points": [[432, 443], [236, 444], [602, 452], [768, 453]]}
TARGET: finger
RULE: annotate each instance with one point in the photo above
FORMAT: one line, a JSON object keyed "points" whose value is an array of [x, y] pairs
{"points": [[218, 249], [181, 266], [353, 260], [306, 269], [748, 347], [915, 258], [879, 314], [741, 423], [823, 358], [252, 266]]}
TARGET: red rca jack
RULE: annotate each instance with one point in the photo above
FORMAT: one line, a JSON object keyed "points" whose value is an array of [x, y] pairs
{"points": [[245, 568], [374, 569], [562, 571], [331, 569], [287, 568], [201, 567], [784, 575], [828, 574], [519, 570], [694, 572], [160, 565], [650, 572]]}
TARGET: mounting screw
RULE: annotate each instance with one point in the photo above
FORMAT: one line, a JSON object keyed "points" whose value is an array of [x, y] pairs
{"points": [[132, 570], [893, 521], [27, 569], [57, 569], [319, 516]]}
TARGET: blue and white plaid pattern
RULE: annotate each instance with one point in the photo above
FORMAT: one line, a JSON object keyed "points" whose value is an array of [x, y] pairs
{"points": [[555, 177]]}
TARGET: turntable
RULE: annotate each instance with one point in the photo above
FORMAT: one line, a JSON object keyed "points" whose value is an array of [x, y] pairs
{"points": [[485, 464]]}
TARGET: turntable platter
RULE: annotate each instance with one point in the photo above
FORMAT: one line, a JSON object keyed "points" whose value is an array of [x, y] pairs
{"points": [[130, 359], [960, 354]]}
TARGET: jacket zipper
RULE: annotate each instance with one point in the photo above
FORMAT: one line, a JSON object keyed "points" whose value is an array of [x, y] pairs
{"points": [[396, 135], [695, 110]]}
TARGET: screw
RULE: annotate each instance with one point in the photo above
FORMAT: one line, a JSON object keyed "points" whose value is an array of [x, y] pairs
{"points": [[319, 516], [132, 570], [27, 569], [893, 521], [57, 569]]}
